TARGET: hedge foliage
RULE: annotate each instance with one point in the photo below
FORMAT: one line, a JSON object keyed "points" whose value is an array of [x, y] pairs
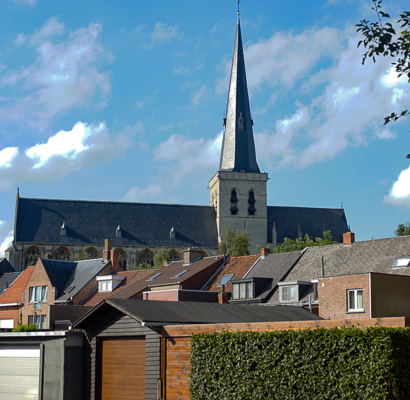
{"points": [[340, 363]]}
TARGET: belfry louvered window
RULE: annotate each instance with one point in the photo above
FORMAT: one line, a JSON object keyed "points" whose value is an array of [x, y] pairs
{"points": [[234, 203], [251, 203]]}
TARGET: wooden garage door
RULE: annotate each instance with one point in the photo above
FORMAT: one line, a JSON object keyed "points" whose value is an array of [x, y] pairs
{"points": [[123, 368], [19, 372]]}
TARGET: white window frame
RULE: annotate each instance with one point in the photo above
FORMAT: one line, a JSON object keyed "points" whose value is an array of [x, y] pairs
{"points": [[289, 293], [38, 294], [355, 300], [242, 290], [38, 320]]}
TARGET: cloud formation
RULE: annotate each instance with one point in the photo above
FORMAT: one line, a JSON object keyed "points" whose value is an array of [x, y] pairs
{"points": [[65, 74], [400, 191], [85, 145], [6, 237]]}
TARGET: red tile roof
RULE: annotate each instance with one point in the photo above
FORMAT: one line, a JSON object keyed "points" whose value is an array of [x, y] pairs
{"points": [[14, 293], [238, 266], [130, 276]]}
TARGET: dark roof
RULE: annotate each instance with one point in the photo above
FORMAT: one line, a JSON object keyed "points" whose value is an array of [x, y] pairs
{"points": [[7, 279], [312, 221], [5, 266], [84, 272], [170, 312], [238, 147], [58, 272], [90, 222], [195, 277]]}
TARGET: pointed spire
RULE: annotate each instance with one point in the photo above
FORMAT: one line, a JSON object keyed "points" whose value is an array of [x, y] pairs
{"points": [[238, 147]]}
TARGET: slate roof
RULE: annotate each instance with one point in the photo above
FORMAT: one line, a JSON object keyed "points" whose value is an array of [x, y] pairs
{"points": [[5, 266], [171, 312], [90, 222], [238, 266], [360, 257], [58, 272], [84, 272], [194, 278], [275, 266], [14, 294], [312, 221], [12, 285]]}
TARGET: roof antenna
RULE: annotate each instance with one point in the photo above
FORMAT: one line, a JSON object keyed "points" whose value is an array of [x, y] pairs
{"points": [[238, 8]]}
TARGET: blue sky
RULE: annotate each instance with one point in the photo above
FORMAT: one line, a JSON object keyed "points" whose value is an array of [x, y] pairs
{"points": [[124, 101]]}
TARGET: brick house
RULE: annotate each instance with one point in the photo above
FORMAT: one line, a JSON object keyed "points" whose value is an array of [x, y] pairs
{"points": [[11, 300]]}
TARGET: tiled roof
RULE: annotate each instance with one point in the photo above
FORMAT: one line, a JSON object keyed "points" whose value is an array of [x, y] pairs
{"points": [[238, 266], [90, 222], [97, 296], [14, 293], [203, 268]]}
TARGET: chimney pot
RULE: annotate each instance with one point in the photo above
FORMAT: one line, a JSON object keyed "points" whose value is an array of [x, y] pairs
{"points": [[265, 251]]}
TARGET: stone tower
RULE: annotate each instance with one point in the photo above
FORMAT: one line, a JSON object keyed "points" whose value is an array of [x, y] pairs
{"points": [[238, 189]]}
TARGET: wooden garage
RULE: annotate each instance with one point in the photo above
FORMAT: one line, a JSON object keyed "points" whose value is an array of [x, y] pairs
{"points": [[122, 368]]}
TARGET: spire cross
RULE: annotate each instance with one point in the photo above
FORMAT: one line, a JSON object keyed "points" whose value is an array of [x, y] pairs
{"points": [[238, 7]]}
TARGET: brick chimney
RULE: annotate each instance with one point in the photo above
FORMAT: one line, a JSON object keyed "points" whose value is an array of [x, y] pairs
{"points": [[107, 249], [115, 261], [265, 251], [223, 296], [191, 254], [348, 238]]}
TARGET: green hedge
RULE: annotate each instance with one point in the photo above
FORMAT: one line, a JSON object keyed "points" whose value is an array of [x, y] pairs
{"points": [[345, 363]]}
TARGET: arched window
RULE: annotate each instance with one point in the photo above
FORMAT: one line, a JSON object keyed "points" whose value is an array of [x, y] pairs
{"points": [[31, 257], [91, 253], [146, 258], [234, 203], [174, 256], [61, 254], [251, 203], [123, 259]]}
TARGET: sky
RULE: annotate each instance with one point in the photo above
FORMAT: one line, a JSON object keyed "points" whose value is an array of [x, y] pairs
{"points": [[124, 101]]}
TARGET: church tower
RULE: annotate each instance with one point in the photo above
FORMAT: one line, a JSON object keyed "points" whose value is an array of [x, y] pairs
{"points": [[238, 189]]}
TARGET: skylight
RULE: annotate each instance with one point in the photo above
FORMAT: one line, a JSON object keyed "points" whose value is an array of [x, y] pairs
{"points": [[179, 274], [225, 279], [153, 277], [401, 262]]}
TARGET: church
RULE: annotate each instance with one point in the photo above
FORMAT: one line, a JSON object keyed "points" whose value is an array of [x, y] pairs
{"points": [[63, 229]]}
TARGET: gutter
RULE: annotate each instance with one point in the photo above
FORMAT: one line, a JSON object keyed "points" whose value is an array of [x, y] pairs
{"points": [[11, 304]]}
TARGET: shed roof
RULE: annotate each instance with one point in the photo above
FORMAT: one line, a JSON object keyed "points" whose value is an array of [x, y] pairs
{"points": [[170, 312]]}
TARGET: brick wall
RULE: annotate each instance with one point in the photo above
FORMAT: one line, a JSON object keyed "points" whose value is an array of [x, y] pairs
{"points": [[39, 277], [333, 296], [11, 312]]}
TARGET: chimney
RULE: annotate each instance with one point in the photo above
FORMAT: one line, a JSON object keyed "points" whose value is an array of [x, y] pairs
{"points": [[265, 251], [223, 296], [115, 261], [107, 249], [191, 254], [348, 238]]}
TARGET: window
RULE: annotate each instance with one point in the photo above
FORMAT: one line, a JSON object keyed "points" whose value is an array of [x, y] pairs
{"points": [[355, 300], [37, 294], [105, 286], [146, 258], [242, 290], [153, 277], [62, 254], [225, 279], [174, 256], [31, 257], [38, 320], [401, 262], [179, 274], [288, 293], [234, 203], [251, 203]]}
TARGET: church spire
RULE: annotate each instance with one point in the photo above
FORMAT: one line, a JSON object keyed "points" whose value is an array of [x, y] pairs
{"points": [[238, 147]]}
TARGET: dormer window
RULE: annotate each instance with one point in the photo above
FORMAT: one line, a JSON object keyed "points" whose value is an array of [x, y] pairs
{"points": [[108, 283], [118, 232], [290, 292], [240, 122], [172, 233], [251, 203], [242, 290], [234, 203], [63, 230]]}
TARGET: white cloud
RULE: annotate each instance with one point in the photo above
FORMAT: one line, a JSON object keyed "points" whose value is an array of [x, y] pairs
{"points": [[6, 237], [150, 194], [85, 146], [400, 191], [199, 95], [66, 74], [165, 33]]}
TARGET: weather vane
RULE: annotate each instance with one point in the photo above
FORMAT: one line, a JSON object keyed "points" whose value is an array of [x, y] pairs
{"points": [[238, 7]]}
